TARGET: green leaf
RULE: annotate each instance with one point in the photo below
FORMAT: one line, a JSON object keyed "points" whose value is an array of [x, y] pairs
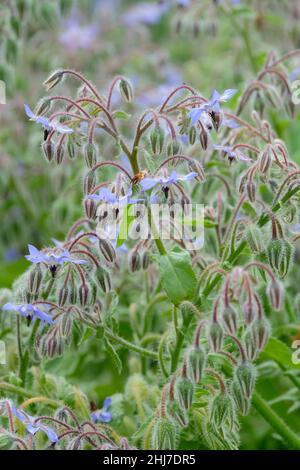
{"points": [[113, 355], [86, 335], [280, 353], [119, 114], [177, 276]]}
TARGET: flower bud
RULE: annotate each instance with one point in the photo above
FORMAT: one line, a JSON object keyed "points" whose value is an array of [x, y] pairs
{"points": [[107, 250], [250, 311], [196, 361], [216, 119], [90, 208], [204, 139], [251, 191], [65, 325], [254, 238], [164, 434], [197, 168], [241, 402], [48, 150], [275, 293], [215, 336], [260, 331], [134, 260], [245, 375], [89, 182], [126, 90], [71, 148], [54, 346], [230, 319], [73, 294], [265, 160], [221, 410], [173, 148], [184, 391], [35, 279], [178, 413], [43, 106], [59, 154], [157, 138], [250, 346], [90, 154], [280, 254], [103, 279], [63, 295], [242, 184], [54, 79], [145, 260], [83, 293], [192, 135]]}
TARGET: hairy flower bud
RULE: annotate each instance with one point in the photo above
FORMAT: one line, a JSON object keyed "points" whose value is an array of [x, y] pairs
{"points": [[71, 148], [178, 413], [254, 238], [173, 148], [192, 135], [260, 331], [215, 336], [280, 254], [107, 250], [275, 293], [63, 295], [251, 190], [204, 139], [145, 260], [216, 119], [157, 138], [90, 154], [65, 325], [54, 79], [35, 279], [48, 150], [90, 208], [221, 410], [103, 279], [241, 402], [126, 90], [134, 260], [245, 375], [83, 293], [184, 391], [196, 361], [59, 154], [265, 160], [250, 346], [43, 106], [164, 434], [197, 168], [230, 319], [250, 311], [89, 182]]}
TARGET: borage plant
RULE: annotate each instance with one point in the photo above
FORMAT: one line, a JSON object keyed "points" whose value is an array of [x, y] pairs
{"points": [[194, 319]]}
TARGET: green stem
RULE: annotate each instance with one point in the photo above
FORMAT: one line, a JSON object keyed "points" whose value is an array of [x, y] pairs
{"points": [[133, 347], [179, 341], [276, 422]]}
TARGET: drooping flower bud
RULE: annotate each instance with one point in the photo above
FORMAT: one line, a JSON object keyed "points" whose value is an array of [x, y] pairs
{"points": [[145, 260], [216, 119], [254, 238], [43, 106], [48, 150], [71, 148], [250, 311], [178, 413], [242, 403], [275, 293], [204, 139], [265, 160], [230, 319], [90, 154], [173, 148], [280, 254], [54, 79], [134, 260], [196, 361], [107, 250], [59, 154], [164, 434], [221, 410], [35, 279], [260, 331], [184, 392], [90, 208], [103, 278], [89, 182], [83, 293], [126, 90], [250, 346], [192, 135], [251, 190], [157, 138], [245, 375], [197, 168], [63, 295], [215, 336], [65, 325]]}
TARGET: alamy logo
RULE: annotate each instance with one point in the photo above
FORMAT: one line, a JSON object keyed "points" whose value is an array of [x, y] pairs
{"points": [[2, 92], [296, 91]]}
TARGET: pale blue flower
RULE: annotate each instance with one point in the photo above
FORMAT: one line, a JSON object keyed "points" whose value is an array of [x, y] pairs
{"points": [[37, 256], [213, 105], [50, 126], [29, 310], [105, 195], [31, 426], [103, 415], [232, 154], [149, 183]]}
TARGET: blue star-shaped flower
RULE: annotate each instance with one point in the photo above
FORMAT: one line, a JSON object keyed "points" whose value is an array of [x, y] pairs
{"points": [[29, 310], [213, 105], [50, 126], [31, 426], [36, 256], [103, 415], [149, 183]]}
